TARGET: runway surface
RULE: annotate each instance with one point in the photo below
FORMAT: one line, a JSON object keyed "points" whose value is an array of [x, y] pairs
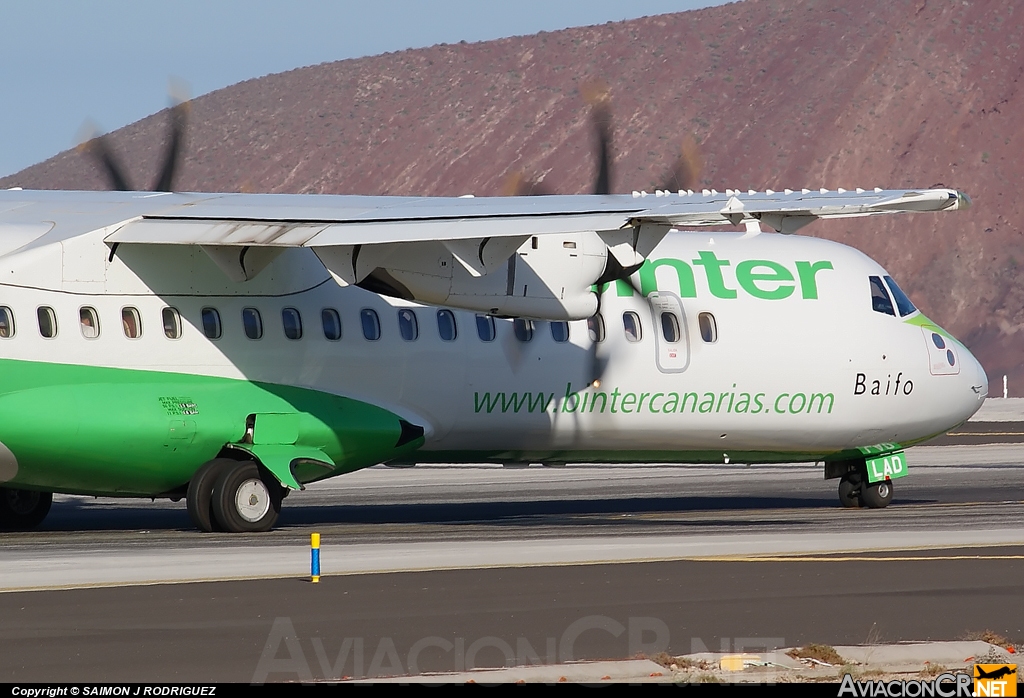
{"points": [[407, 623], [519, 558]]}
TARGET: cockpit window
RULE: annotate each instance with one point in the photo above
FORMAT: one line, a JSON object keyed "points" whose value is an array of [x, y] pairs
{"points": [[902, 302], [880, 301]]}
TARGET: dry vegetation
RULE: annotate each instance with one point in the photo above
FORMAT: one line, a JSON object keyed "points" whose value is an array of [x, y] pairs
{"points": [[821, 653], [994, 638]]}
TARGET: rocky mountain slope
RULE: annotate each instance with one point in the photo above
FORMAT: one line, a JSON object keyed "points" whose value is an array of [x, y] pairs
{"points": [[778, 93]]}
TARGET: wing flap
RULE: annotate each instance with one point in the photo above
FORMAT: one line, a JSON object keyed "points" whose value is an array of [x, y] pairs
{"points": [[162, 231], [167, 231]]}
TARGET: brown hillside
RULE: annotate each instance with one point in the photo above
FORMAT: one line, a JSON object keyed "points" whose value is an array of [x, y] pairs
{"points": [[779, 93]]}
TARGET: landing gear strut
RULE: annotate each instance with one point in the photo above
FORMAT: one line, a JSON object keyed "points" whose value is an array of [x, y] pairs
{"points": [[23, 510], [233, 496]]}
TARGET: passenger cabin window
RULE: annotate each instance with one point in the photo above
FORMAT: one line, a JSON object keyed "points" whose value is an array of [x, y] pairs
{"points": [[211, 323], [560, 331], [408, 327], [172, 323], [89, 321], [6, 322], [252, 323], [485, 328], [332, 324], [292, 322], [47, 321], [708, 327], [880, 301], [595, 328], [903, 303], [131, 322], [523, 329], [670, 327], [631, 326], [446, 326], [371, 324]]}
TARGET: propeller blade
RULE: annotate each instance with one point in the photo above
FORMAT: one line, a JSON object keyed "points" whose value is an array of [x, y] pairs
{"points": [[614, 270], [518, 184], [172, 154], [515, 350], [685, 172], [98, 147], [597, 95], [596, 330]]}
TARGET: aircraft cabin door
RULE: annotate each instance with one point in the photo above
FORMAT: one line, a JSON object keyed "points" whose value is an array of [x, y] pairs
{"points": [[671, 339]]}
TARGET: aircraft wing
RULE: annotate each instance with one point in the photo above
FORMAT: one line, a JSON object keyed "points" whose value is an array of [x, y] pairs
{"points": [[327, 221], [458, 252]]}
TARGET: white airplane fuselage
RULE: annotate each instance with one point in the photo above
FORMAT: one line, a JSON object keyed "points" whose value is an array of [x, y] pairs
{"points": [[128, 367], [786, 378]]}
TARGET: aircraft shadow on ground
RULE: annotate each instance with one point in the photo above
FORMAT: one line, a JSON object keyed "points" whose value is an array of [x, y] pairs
{"points": [[545, 512], [625, 514]]}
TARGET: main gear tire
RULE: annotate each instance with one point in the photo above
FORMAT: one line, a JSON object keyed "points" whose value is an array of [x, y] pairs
{"points": [[23, 510], [243, 502], [199, 498]]}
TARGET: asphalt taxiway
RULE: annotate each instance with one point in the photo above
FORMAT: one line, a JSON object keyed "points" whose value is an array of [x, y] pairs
{"points": [[424, 564], [451, 620]]}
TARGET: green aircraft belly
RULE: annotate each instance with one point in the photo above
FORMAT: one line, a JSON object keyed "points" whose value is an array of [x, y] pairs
{"points": [[114, 431]]}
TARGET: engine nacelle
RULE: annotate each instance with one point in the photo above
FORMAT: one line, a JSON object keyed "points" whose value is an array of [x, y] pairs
{"points": [[547, 277], [540, 277]]}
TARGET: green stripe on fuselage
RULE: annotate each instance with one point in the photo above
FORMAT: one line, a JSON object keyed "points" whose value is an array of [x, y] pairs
{"points": [[110, 431]]}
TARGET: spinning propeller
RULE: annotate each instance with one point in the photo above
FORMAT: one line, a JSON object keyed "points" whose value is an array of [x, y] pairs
{"points": [[99, 148], [684, 174], [599, 98]]}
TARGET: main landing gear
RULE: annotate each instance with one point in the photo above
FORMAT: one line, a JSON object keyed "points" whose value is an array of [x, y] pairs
{"points": [[23, 510], [855, 491], [233, 496]]}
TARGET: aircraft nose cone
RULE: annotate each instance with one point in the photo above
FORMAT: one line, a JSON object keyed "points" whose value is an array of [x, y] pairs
{"points": [[976, 379]]}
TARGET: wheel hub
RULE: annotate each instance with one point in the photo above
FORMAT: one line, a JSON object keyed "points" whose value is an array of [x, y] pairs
{"points": [[252, 500], [22, 502]]}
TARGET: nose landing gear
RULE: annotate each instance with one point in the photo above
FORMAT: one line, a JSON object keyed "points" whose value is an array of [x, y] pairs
{"points": [[877, 495], [856, 492], [849, 490]]}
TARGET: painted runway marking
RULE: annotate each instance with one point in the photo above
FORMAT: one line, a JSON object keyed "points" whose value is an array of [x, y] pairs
{"points": [[850, 558], [823, 557]]}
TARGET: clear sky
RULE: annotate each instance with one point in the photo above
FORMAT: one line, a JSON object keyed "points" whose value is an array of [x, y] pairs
{"points": [[63, 62]]}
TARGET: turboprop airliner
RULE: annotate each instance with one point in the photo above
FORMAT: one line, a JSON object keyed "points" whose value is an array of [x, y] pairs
{"points": [[231, 348]]}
